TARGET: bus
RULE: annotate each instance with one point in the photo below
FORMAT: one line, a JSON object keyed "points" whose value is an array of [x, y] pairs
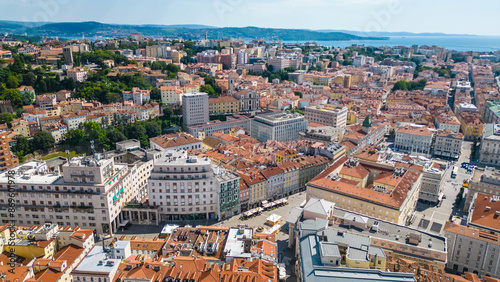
{"points": [[454, 172]]}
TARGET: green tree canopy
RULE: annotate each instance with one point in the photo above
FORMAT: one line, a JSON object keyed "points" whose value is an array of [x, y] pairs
{"points": [[43, 140]]}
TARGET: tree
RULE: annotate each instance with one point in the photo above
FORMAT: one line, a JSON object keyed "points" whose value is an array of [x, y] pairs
{"points": [[115, 136], [75, 136], [93, 131], [7, 118], [43, 140], [270, 68], [155, 94], [15, 98], [207, 89], [135, 131], [29, 79], [298, 93], [23, 146], [167, 112], [41, 87], [153, 129], [12, 82]]}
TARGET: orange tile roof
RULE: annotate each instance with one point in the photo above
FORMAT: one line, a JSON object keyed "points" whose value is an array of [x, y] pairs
{"points": [[174, 140], [486, 212], [471, 232]]}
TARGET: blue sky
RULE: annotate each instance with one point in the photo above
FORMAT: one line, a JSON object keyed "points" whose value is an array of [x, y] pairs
{"points": [[448, 16]]}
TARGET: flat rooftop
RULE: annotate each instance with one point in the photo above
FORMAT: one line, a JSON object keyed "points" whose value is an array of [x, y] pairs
{"points": [[392, 232], [97, 261]]}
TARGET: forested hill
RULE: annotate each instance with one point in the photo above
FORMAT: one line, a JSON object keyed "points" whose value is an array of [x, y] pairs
{"points": [[91, 29]]}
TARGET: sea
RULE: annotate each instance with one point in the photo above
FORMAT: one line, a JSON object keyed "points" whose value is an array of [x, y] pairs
{"points": [[457, 43]]}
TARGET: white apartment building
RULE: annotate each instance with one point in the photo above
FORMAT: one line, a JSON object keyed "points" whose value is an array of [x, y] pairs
{"points": [[183, 187], [279, 126], [101, 263], [329, 115], [447, 121], [89, 193], [489, 153], [432, 181], [415, 139], [448, 144], [171, 95], [73, 120], [194, 108], [359, 61], [279, 63], [77, 74]]}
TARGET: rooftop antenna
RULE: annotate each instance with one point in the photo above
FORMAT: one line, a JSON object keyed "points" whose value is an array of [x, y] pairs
{"points": [[92, 147]]}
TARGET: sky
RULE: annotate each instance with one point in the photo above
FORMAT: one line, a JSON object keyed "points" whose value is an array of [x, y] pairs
{"points": [[478, 17]]}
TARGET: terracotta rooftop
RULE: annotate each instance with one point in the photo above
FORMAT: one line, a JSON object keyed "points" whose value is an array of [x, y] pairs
{"points": [[486, 213], [174, 140]]}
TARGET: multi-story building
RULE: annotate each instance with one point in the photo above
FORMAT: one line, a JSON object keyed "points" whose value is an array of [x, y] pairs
{"points": [[208, 129], [472, 250], [46, 101], [447, 121], [257, 185], [7, 158], [279, 63], [175, 141], [77, 74], [249, 100], [274, 176], [102, 262], [334, 237], [139, 96], [448, 144], [194, 108], [90, 193], [471, 124], [171, 95], [290, 177], [433, 177], [229, 192], [73, 120], [223, 105], [329, 115], [244, 195], [492, 112], [414, 139], [359, 61], [486, 181], [483, 213], [279, 126], [489, 154], [184, 187], [392, 197]]}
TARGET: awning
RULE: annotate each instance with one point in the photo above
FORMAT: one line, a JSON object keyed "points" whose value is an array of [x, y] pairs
{"points": [[115, 198], [121, 190]]}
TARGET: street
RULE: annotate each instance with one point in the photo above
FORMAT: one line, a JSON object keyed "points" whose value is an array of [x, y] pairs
{"points": [[432, 218]]}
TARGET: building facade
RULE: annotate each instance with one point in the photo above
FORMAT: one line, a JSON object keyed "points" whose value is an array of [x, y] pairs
{"points": [[183, 187], [90, 192], [414, 139], [489, 154], [329, 115], [194, 108], [278, 126], [448, 144]]}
